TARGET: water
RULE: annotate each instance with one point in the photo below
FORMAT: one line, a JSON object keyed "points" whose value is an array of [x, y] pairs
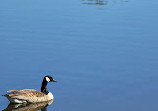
{"points": [[103, 53]]}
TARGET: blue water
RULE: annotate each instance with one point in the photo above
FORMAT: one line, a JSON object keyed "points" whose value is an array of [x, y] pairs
{"points": [[103, 53]]}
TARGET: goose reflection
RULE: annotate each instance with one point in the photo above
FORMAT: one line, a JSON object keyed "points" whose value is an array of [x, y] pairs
{"points": [[95, 2], [101, 2], [28, 107]]}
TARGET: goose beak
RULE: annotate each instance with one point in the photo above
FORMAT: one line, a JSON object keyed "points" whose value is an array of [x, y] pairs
{"points": [[54, 80]]}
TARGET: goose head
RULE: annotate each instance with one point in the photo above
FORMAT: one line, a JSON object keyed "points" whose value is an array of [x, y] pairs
{"points": [[49, 79]]}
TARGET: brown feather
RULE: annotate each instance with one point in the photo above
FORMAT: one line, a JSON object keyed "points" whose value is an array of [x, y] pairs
{"points": [[32, 96], [12, 90]]}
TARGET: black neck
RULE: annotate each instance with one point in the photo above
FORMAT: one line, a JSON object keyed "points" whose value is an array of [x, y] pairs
{"points": [[44, 87]]}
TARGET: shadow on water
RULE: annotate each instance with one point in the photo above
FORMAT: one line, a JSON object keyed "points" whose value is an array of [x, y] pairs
{"points": [[100, 2], [28, 107]]}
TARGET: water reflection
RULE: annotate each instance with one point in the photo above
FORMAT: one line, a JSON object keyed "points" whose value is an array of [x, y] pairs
{"points": [[100, 2], [95, 2], [28, 107]]}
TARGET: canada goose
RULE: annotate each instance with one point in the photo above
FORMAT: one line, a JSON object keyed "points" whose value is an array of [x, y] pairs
{"points": [[31, 95]]}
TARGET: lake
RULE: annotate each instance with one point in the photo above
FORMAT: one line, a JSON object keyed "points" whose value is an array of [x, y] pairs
{"points": [[103, 53]]}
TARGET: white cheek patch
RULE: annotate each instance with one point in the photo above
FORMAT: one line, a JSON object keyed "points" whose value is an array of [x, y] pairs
{"points": [[47, 79]]}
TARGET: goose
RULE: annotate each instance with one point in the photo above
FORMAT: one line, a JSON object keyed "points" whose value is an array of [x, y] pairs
{"points": [[31, 95]]}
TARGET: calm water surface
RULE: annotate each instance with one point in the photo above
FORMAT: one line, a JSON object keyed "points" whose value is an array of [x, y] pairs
{"points": [[103, 53]]}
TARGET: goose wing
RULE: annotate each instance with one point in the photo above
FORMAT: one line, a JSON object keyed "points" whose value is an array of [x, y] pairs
{"points": [[30, 95]]}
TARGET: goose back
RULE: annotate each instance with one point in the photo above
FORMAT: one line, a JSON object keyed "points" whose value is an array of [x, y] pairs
{"points": [[30, 95]]}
